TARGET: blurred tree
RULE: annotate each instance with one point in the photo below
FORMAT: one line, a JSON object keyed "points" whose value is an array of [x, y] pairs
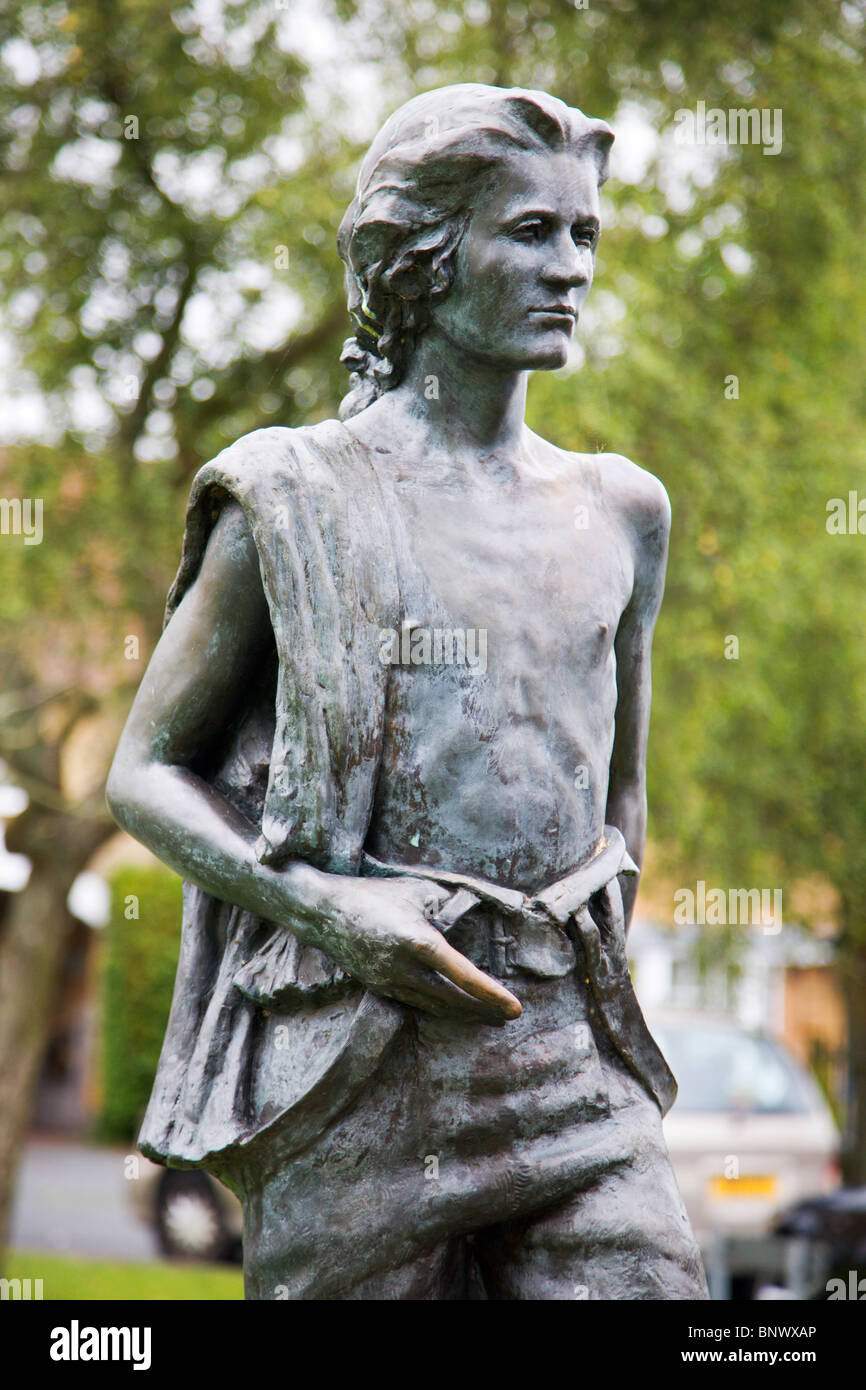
{"points": [[172, 182], [145, 220]]}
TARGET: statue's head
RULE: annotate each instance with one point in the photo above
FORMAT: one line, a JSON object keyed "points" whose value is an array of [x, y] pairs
{"points": [[443, 230]]}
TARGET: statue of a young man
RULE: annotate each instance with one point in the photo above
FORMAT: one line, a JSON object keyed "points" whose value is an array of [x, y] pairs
{"points": [[393, 737]]}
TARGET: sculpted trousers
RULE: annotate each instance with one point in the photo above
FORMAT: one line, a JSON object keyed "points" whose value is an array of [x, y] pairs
{"points": [[526, 1162]]}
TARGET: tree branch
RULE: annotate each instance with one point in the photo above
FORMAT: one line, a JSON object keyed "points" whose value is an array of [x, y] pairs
{"points": [[133, 424], [260, 372]]}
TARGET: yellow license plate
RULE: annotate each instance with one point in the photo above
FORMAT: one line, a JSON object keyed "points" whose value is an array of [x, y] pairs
{"points": [[749, 1185]]}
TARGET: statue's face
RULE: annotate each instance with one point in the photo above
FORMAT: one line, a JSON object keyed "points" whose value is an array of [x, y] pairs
{"points": [[525, 263]]}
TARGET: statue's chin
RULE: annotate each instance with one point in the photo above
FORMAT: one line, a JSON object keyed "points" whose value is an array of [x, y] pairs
{"points": [[549, 357]]}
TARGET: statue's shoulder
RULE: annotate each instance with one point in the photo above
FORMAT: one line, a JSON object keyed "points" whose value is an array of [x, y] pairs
{"points": [[631, 492], [639, 494], [279, 449], [313, 468]]}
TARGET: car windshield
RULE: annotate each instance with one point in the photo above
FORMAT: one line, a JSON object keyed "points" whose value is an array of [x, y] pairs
{"points": [[719, 1069]]}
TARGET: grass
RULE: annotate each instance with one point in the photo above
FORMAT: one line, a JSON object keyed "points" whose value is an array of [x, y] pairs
{"points": [[71, 1277]]}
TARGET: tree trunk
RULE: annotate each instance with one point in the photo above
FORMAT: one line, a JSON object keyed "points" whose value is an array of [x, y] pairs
{"points": [[33, 937]]}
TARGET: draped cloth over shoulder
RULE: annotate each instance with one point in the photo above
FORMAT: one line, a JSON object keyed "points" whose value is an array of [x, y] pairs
{"points": [[302, 764]]}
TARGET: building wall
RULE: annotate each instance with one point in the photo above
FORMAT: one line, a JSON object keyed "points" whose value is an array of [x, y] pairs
{"points": [[813, 1010]]}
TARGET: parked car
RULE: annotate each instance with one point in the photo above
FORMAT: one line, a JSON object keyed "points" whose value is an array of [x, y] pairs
{"points": [[194, 1216], [825, 1245], [749, 1134]]}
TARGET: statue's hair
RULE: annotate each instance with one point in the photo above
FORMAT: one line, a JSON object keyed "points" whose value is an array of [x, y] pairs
{"points": [[414, 196]]}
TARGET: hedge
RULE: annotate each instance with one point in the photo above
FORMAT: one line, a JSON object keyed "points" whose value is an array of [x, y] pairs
{"points": [[137, 981]]}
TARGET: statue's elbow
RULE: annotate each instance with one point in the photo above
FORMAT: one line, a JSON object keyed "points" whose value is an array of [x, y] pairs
{"points": [[119, 794]]}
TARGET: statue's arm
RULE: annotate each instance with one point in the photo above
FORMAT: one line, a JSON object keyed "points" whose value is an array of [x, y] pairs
{"points": [[193, 689], [647, 516]]}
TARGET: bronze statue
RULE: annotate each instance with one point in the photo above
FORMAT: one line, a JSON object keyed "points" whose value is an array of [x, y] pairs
{"points": [[393, 738]]}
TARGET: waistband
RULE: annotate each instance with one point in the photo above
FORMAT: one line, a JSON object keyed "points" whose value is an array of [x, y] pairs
{"points": [[506, 946], [586, 907], [539, 934], [561, 900]]}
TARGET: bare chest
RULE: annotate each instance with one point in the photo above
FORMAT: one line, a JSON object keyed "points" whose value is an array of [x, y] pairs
{"points": [[544, 577]]}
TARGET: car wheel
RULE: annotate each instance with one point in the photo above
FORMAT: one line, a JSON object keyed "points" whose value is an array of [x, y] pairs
{"points": [[189, 1223]]}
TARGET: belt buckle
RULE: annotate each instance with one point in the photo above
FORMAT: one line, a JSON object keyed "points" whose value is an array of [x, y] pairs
{"points": [[498, 946]]}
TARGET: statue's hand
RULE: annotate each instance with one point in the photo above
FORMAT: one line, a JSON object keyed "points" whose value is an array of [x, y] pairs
{"points": [[380, 931]]}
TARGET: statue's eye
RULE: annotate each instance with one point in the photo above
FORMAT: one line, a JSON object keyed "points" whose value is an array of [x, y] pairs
{"points": [[530, 231], [584, 234]]}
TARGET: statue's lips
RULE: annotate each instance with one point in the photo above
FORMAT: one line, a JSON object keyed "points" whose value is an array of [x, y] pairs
{"points": [[562, 313]]}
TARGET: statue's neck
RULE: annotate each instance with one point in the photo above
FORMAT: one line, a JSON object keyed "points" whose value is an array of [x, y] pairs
{"points": [[459, 401]]}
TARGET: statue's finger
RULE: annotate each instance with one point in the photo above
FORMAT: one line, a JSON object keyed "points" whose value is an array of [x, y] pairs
{"points": [[443, 997], [455, 967]]}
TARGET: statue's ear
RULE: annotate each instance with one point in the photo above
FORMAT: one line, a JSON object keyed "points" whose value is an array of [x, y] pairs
{"points": [[600, 138]]}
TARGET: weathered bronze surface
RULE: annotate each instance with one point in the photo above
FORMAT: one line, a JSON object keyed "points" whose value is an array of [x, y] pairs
{"points": [[393, 738]]}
